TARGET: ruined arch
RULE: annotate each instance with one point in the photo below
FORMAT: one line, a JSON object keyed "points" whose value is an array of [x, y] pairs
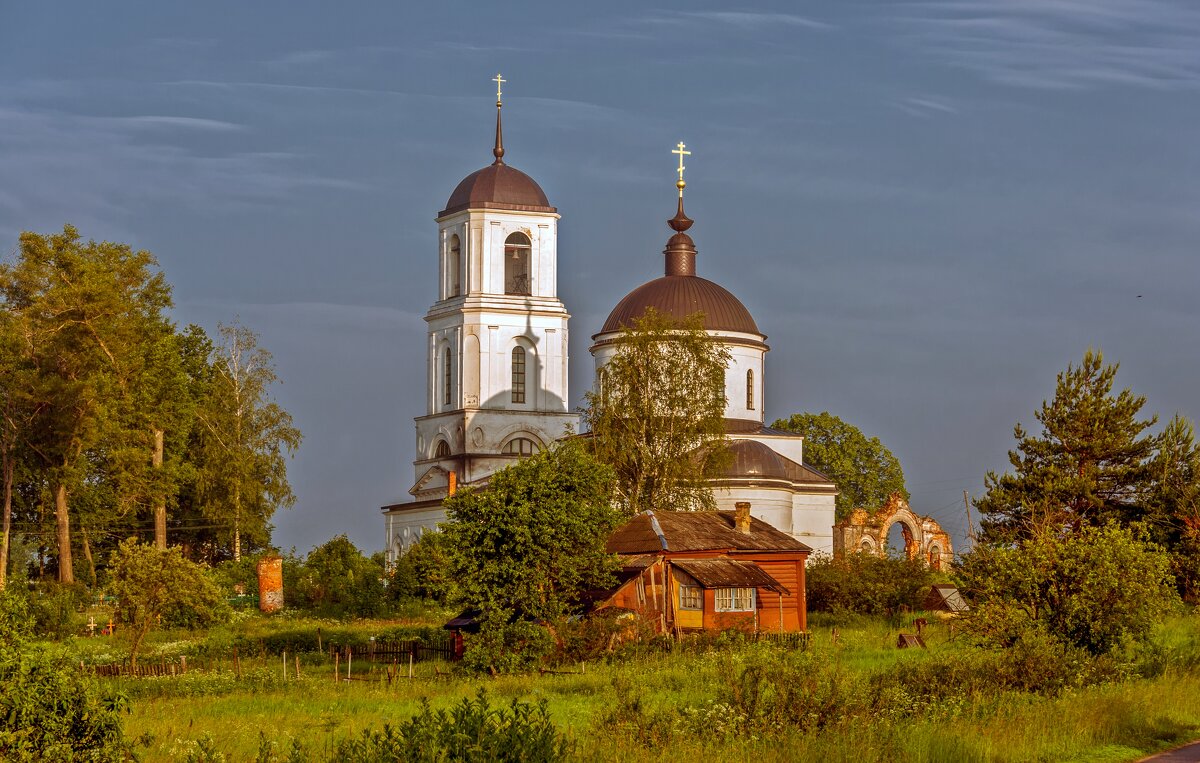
{"points": [[866, 531]]}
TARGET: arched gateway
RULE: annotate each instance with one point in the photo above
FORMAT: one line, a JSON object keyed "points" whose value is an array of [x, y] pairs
{"points": [[867, 532]]}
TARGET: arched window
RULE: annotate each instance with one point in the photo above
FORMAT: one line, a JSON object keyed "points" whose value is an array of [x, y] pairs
{"points": [[750, 390], [520, 446], [518, 375], [453, 267], [516, 264], [442, 450], [447, 376]]}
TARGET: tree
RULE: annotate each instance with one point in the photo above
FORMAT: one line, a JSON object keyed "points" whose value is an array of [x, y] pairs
{"points": [[336, 578], [80, 311], [657, 415], [1173, 505], [863, 469], [526, 547], [152, 584], [1097, 588], [1089, 464], [865, 584], [242, 476]]}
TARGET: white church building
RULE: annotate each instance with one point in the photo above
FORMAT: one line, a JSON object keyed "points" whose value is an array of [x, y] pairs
{"points": [[497, 360]]}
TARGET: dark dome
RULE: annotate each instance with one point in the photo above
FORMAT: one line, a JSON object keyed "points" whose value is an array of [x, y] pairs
{"points": [[680, 296], [753, 459], [498, 186]]}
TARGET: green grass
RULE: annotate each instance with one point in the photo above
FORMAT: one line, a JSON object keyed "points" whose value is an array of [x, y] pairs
{"points": [[1119, 721]]}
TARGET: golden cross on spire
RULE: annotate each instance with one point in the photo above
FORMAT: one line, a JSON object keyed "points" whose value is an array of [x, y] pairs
{"points": [[679, 150], [499, 81]]}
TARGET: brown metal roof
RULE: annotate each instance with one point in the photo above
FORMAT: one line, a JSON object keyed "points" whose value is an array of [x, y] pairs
{"points": [[498, 186], [750, 458], [750, 426], [680, 296], [697, 531], [729, 573]]}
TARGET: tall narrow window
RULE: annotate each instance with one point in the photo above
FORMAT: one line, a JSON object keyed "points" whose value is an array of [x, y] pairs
{"points": [[453, 267], [518, 375], [750, 390], [447, 377], [516, 264]]}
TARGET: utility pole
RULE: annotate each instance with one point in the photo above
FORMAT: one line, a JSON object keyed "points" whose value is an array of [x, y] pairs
{"points": [[970, 525]]}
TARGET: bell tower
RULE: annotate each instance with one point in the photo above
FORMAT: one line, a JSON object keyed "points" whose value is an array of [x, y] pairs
{"points": [[496, 370]]}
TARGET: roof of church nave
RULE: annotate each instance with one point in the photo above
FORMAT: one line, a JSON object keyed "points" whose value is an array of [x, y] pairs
{"points": [[498, 186], [751, 460], [680, 292]]}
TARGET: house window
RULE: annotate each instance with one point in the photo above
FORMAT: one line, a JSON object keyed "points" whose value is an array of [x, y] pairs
{"points": [[453, 267], [750, 390], [516, 264], [518, 375], [691, 597], [735, 599], [443, 450], [447, 377], [519, 446]]}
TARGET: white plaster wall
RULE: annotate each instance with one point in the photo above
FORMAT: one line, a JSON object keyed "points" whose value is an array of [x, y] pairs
{"points": [[812, 520], [404, 528], [771, 505]]}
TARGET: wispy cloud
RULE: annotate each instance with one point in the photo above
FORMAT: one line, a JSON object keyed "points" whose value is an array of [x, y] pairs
{"points": [[752, 21], [190, 123], [1064, 43], [924, 107]]}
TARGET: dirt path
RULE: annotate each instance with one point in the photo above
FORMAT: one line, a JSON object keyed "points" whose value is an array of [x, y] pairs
{"points": [[1189, 753]]}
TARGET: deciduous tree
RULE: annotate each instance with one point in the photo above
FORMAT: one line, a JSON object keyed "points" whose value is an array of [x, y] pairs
{"points": [[245, 434], [862, 467], [151, 584], [657, 414]]}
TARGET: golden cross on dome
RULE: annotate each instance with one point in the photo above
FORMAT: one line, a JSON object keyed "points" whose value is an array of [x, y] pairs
{"points": [[499, 81], [679, 150]]}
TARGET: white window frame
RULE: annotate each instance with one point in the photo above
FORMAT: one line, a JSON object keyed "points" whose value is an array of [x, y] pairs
{"points": [[735, 599], [685, 591]]}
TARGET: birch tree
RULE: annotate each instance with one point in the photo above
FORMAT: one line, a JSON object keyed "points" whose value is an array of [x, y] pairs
{"points": [[242, 472], [657, 414]]}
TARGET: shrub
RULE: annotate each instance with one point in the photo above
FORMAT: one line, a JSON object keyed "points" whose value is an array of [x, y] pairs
{"points": [[472, 730], [55, 609], [865, 584], [504, 645], [48, 711], [336, 579]]}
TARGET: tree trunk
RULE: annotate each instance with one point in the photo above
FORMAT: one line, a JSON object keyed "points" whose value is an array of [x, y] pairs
{"points": [[160, 500], [4, 536], [87, 554], [66, 572], [237, 542]]}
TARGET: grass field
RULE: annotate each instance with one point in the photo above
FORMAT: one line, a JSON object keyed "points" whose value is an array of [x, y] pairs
{"points": [[656, 705]]}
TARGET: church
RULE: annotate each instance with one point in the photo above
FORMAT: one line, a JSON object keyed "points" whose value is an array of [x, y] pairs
{"points": [[497, 355]]}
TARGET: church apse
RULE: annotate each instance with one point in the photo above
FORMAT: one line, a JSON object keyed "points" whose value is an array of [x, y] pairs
{"points": [[866, 531]]}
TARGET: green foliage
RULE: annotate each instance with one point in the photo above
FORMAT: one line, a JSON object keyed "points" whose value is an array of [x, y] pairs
{"points": [[48, 711], [865, 584], [336, 579], [506, 645], [152, 585], [473, 730], [657, 416], [864, 470], [55, 609], [1088, 465], [429, 569], [242, 437], [1099, 589], [534, 540]]}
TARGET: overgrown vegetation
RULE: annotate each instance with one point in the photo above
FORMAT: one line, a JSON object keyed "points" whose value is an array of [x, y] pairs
{"points": [[866, 584]]}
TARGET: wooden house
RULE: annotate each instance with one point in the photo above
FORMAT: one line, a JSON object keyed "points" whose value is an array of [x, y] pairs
{"points": [[710, 570]]}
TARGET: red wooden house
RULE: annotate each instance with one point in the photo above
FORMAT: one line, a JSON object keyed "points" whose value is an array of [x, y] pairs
{"points": [[710, 570]]}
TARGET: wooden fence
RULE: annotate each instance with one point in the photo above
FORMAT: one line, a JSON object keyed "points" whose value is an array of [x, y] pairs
{"points": [[119, 669], [397, 651]]}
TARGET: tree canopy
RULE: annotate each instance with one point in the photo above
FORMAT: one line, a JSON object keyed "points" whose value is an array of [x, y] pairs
{"points": [[862, 467], [657, 413]]}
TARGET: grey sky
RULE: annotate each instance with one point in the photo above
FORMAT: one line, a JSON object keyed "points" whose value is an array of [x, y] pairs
{"points": [[929, 207]]}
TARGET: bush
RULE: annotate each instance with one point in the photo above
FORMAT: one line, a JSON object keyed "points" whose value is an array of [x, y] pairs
{"points": [[55, 609], [337, 580], [472, 730], [865, 584], [504, 645], [48, 711], [1100, 589]]}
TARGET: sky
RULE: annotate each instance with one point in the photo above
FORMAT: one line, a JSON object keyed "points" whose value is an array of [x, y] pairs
{"points": [[930, 207]]}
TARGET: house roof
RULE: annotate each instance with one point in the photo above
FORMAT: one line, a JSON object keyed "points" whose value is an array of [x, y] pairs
{"points": [[946, 598], [729, 573], [696, 531]]}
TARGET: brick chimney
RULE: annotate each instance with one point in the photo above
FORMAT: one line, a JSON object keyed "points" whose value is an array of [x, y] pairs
{"points": [[452, 488], [741, 517]]}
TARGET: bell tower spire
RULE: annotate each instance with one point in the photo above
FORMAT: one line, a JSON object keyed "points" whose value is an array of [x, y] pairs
{"points": [[498, 150]]}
